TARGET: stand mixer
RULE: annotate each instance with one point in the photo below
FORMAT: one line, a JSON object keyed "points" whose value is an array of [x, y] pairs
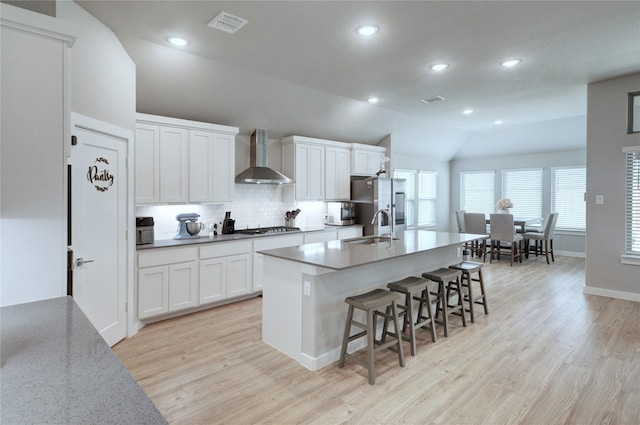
{"points": [[188, 226]]}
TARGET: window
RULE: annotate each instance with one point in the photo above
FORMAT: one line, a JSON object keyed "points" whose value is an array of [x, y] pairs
{"points": [[477, 191], [421, 197], [524, 188], [633, 201], [568, 186]]}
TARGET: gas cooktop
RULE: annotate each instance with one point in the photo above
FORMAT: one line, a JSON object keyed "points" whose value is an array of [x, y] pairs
{"points": [[267, 230]]}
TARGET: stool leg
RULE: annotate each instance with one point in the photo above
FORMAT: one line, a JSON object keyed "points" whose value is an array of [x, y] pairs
{"points": [[426, 299], [460, 303], [445, 313], [394, 310], [484, 295], [412, 328], [470, 295], [371, 337], [345, 340]]}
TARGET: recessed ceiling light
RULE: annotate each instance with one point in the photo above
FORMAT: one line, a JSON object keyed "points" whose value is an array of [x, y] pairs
{"points": [[373, 99], [439, 67], [468, 111], [178, 41], [367, 30], [497, 122], [510, 63]]}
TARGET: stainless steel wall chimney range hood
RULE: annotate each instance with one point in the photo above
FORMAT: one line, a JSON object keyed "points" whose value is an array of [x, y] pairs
{"points": [[258, 172]]}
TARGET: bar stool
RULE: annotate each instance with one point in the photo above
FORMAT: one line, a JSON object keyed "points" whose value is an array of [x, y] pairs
{"points": [[370, 302], [414, 288], [468, 268], [448, 284]]}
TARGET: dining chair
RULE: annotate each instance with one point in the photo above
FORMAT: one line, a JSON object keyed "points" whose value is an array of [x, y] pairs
{"points": [[476, 224], [546, 236], [460, 220], [503, 230]]}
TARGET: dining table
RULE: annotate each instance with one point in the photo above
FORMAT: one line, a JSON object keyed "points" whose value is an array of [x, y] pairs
{"points": [[522, 222]]}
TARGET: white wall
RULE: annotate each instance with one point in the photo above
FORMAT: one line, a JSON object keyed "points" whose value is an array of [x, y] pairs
{"points": [[606, 136], [103, 76], [32, 206], [573, 244]]}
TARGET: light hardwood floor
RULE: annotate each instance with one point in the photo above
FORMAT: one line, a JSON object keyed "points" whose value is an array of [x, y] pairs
{"points": [[545, 354]]}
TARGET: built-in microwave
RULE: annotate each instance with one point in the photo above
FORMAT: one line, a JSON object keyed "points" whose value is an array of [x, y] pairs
{"points": [[340, 213]]}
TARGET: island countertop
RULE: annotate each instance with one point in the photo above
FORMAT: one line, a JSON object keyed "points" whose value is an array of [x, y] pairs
{"points": [[57, 369], [340, 255]]}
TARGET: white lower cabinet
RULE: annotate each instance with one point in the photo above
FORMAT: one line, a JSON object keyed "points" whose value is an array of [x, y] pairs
{"points": [[183, 286], [213, 280], [167, 281], [239, 275], [225, 270], [153, 291]]}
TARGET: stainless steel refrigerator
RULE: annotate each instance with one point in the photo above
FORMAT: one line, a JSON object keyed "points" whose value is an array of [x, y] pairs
{"points": [[375, 193]]}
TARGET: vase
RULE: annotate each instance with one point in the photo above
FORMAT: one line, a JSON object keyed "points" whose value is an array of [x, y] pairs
{"points": [[504, 211]]}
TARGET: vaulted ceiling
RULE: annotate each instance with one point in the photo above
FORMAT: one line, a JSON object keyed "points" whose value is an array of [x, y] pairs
{"points": [[299, 67]]}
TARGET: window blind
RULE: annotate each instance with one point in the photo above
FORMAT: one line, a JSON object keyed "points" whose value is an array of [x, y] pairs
{"points": [[426, 198], [524, 188], [567, 197], [477, 191], [633, 201]]}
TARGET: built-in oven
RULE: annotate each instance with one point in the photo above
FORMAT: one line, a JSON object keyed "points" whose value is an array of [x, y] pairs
{"points": [[340, 213]]}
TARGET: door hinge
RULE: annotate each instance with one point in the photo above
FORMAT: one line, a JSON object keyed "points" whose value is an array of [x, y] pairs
{"points": [[74, 140], [126, 307]]}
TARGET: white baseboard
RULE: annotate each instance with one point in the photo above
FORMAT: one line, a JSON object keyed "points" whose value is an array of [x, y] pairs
{"points": [[570, 254], [629, 296]]}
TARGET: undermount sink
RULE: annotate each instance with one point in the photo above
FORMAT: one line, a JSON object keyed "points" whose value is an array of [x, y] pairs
{"points": [[371, 240]]}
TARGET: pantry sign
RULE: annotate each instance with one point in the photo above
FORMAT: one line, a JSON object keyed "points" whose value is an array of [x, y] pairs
{"points": [[99, 176]]}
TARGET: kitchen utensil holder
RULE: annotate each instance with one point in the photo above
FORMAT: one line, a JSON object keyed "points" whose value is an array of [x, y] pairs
{"points": [[290, 222]]}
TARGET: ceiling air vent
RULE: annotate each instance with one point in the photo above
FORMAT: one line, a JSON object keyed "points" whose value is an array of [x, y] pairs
{"points": [[432, 99], [227, 22]]}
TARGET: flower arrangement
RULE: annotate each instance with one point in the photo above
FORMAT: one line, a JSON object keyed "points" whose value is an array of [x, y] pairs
{"points": [[504, 204]]}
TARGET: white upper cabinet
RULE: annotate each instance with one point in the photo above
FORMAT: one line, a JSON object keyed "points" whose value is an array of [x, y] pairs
{"points": [[201, 155], [147, 151], [174, 164], [224, 170], [322, 169], [180, 161], [337, 173], [365, 159], [304, 162]]}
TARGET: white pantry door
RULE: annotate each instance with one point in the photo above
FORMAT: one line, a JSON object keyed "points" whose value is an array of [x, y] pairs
{"points": [[98, 226]]}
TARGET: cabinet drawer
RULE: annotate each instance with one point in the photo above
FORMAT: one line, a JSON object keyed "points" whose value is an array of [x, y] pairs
{"points": [[274, 242], [223, 249], [161, 257]]}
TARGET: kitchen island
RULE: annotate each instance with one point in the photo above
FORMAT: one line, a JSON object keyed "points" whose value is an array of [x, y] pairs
{"points": [[56, 369], [303, 309]]}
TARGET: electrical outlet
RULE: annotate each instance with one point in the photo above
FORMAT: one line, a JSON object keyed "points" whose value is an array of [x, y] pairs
{"points": [[307, 288], [599, 199]]}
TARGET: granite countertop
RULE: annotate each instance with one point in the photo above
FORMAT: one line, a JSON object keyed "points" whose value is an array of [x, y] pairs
{"points": [[56, 369], [339, 255], [166, 243]]}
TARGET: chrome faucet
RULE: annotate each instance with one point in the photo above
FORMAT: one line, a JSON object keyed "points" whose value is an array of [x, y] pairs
{"points": [[386, 212]]}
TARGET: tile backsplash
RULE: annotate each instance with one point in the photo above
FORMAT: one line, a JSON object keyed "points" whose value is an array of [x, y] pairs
{"points": [[259, 205]]}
